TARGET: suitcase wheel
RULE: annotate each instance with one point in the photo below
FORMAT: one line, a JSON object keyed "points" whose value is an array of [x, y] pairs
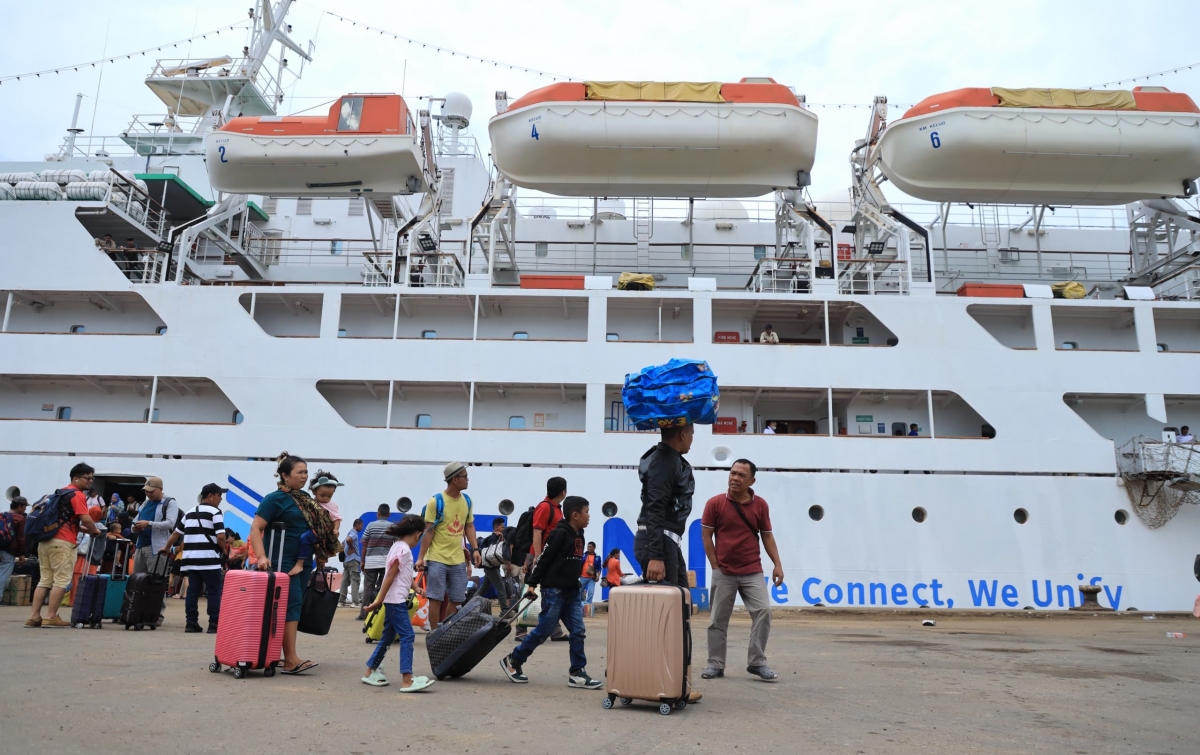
{"points": [[680, 704], [607, 702], [239, 673], [152, 627], [137, 627], [626, 700], [370, 641], [214, 667], [269, 671], [665, 709]]}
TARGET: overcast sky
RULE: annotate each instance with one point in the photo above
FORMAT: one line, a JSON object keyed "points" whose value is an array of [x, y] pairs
{"points": [[832, 52]]}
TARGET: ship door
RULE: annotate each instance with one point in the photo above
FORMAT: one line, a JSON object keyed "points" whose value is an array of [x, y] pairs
{"points": [[124, 485]]}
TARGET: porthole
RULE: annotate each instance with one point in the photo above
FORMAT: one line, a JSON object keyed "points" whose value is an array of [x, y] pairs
{"points": [[1021, 516], [919, 514], [816, 513], [403, 504], [609, 509], [1121, 516]]}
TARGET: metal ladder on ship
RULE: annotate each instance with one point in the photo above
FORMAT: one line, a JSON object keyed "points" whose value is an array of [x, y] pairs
{"points": [[643, 229]]}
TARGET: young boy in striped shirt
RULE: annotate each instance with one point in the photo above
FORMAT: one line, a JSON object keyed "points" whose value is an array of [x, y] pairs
{"points": [[203, 533]]}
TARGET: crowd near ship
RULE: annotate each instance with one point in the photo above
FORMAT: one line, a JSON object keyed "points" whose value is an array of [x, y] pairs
{"points": [[973, 398]]}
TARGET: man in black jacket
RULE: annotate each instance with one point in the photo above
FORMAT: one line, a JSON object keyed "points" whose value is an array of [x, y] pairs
{"points": [[667, 489], [557, 571]]}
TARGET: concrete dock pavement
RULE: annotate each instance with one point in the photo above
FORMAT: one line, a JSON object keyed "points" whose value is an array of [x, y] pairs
{"points": [[851, 683]]}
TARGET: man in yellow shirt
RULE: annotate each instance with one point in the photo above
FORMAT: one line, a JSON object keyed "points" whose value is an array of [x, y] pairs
{"points": [[441, 555]]}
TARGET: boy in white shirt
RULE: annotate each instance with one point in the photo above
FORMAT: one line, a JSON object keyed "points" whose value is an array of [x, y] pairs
{"points": [[393, 596]]}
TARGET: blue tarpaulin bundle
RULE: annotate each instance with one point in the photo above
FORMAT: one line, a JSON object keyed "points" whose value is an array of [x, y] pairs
{"points": [[680, 392]]}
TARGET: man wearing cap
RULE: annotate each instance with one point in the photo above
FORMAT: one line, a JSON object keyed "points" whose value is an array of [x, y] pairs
{"points": [[442, 544], [203, 533], [769, 335], [154, 524]]}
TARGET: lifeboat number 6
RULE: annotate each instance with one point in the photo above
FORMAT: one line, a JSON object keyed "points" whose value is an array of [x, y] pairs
{"points": [[934, 139]]}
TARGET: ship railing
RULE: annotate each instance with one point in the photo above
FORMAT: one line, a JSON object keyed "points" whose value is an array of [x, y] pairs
{"points": [[140, 265], [959, 264], [190, 68], [1180, 284], [872, 275], [435, 270], [1145, 458], [617, 257], [278, 251], [781, 275]]}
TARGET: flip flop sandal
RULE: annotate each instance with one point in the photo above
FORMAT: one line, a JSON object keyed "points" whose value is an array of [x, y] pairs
{"points": [[420, 684], [304, 666]]}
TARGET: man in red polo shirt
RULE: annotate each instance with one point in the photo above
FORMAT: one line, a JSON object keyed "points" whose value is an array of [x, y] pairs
{"points": [[546, 517], [735, 520]]}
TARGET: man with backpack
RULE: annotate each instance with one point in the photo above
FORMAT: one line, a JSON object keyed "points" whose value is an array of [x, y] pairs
{"points": [[12, 539], [732, 524], [155, 523], [447, 518], [54, 524], [546, 516]]}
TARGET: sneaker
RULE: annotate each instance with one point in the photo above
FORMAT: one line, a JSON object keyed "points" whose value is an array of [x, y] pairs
{"points": [[33, 623], [712, 673], [54, 621], [580, 680], [212, 629], [512, 670], [763, 672], [192, 628], [375, 679]]}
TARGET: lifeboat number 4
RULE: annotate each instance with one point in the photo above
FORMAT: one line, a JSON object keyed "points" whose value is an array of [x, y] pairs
{"points": [[534, 133]]}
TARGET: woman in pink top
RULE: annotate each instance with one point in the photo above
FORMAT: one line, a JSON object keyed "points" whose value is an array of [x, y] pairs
{"points": [[393, 596]]}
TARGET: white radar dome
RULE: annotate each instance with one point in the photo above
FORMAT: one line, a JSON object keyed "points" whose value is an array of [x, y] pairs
{"points": [[610, 209], [456, 110], [720, 209]]}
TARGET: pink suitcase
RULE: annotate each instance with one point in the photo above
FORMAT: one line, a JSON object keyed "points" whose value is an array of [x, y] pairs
{"points": [[253, 611]]}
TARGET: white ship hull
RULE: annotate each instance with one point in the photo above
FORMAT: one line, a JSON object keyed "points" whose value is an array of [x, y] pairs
{"points": [[670, 149], [1037, 156]]}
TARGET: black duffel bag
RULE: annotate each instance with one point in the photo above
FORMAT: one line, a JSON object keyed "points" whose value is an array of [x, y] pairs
{"points": [[320, 605]]}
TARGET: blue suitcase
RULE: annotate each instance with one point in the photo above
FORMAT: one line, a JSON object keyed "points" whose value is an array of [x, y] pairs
{"points": [[114, 597], [87, 605]]}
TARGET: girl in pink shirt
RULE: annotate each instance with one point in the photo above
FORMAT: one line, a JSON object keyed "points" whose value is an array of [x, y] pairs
{"points": [[393, 596]]}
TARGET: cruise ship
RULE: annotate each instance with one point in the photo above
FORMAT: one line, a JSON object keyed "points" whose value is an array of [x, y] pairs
{"points": [[976, 400]]}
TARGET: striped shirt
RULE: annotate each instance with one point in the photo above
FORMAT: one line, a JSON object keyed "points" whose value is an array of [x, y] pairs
{"points": [[376, 543], [199, 528]]}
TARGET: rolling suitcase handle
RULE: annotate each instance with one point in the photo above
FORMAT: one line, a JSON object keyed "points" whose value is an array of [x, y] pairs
{"points": [[274, 536], [121, 559], [166, 569], [515, 609]]}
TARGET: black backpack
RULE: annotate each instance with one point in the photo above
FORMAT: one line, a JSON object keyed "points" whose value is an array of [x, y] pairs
{"points": [[522, 538]]}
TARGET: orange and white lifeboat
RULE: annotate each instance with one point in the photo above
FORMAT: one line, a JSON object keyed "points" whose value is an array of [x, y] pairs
{"points": [[1045, 146], [663, 139], [367, 143]]}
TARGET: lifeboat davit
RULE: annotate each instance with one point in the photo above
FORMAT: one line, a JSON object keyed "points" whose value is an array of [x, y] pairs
{"points": [[673, 139], [1045, 146], [367, 143]]}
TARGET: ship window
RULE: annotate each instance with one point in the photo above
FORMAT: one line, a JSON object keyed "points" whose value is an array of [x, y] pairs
{"points": [[64, 412], [238, 417], [335, 247], [1069, 345], [612, 337], [304, 206], [1020, 516], [520, 335], [424, 420], [1163, 347], [760, 251], [161, 330], [428, 334], [341, 332], [78, 329], [516, 423], [146, 415], [541, 249], [350, 114], [1121, 516]]}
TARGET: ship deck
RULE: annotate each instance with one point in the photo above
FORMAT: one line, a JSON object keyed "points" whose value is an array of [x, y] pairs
{"points": [[850, 683]]}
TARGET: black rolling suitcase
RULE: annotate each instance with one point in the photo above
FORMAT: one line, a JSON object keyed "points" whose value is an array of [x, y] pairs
{"points": [[465, 639], [145, 594], [87, 605]]}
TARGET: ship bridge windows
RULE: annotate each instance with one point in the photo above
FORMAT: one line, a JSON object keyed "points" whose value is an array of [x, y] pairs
{"points": [[1094, 328], [283, 314], [1121, 416], [90, 312], [642, 317], [107, 398], [1177, 328], [539, 317], [1011, 325]]}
